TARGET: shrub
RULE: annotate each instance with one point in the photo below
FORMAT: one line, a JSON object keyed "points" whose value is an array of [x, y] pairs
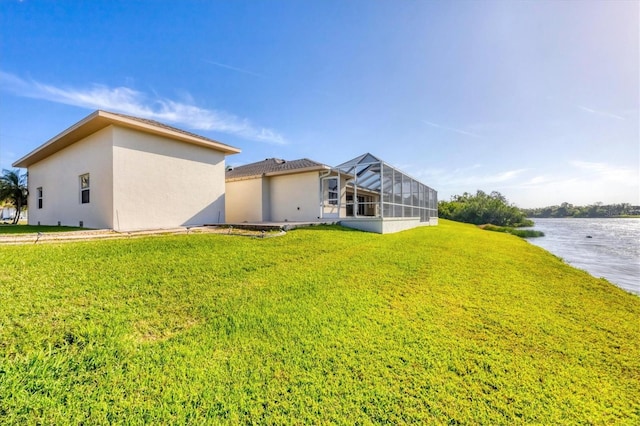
{"points": [[522, 233]]}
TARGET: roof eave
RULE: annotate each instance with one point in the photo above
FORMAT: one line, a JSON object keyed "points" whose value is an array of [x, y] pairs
{"points": [[98, 120], [300, 170], [279, 173], [163, 131], [58, 142], [236, 179]]}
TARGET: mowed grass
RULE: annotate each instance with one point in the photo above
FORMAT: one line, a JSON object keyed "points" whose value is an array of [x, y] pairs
{"points": [[445, 325]]}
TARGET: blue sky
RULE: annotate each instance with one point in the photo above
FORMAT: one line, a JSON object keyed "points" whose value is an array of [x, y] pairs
{"points": [[538, 100]]}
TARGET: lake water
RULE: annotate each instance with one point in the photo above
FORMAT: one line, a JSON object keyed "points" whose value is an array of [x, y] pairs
{"points": [[612, 252]]}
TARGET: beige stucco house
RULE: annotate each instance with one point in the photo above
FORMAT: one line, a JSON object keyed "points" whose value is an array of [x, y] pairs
{"points": [[126, 173], [274, 190], [364, 193]]}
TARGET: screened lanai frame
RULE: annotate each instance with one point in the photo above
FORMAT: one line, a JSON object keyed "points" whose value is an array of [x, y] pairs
{"points": [[381, 190]]}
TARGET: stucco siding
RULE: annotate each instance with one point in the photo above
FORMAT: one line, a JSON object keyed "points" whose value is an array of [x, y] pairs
{"points": [[387, 225], [244, 200], [295, 197], [162, 183], [59, 177]]}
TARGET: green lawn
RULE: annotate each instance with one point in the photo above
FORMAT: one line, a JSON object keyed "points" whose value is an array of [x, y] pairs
{"points": [[32, 229], [445, 325]]}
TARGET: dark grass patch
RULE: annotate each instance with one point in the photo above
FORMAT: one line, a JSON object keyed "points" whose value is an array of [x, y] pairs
{"points": [[33, 229]]}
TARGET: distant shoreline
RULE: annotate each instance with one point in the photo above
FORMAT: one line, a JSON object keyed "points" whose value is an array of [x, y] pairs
{"points": [[586, 217], [592, 211]]}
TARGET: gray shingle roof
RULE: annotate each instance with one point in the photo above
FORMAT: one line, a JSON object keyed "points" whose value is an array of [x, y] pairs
{"points": [[272, 166]]}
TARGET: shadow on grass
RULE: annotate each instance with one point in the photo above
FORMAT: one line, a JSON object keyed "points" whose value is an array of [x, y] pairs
{"points": [[33, 229], [324, 228]]}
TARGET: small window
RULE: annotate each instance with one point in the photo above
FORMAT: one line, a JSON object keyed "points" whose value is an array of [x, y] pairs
{"points": [[39, 192], [84, 188]]}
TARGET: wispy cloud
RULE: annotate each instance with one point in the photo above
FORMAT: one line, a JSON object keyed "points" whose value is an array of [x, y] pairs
{"points": [[538, 180], [582, 183], [601, 113], [232, 68], [606, 172], [469, 177], [451, 129], [130, 101]]}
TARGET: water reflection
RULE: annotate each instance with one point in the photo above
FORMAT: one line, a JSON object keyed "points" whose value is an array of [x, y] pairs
{"points": [[608, 248]]}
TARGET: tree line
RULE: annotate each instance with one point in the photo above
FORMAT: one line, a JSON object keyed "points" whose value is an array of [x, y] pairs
{"points": [[592, 210], [482, 208]]}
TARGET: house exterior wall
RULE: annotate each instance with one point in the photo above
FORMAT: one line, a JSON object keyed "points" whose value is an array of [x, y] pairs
{"points": [[59, 177], [295, 197], [245, 200], [162, 183], [7, 213], [387, 225]]}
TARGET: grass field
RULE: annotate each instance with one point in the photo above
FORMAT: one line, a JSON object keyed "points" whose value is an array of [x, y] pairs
{"points": [[445, 325]]}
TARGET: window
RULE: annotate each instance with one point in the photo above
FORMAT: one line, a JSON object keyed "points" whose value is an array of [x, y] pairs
{"points": [[331, 191], [39, 193], [84, 188], [362, 205]]}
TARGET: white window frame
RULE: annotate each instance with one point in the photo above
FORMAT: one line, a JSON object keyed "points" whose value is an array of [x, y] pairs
{"points": [[39, 196], [85, 187], [331, 197]]}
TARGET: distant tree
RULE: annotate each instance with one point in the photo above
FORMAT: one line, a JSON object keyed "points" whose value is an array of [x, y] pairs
{"points": [[13, 189], [482, 208], [597, 209]]}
